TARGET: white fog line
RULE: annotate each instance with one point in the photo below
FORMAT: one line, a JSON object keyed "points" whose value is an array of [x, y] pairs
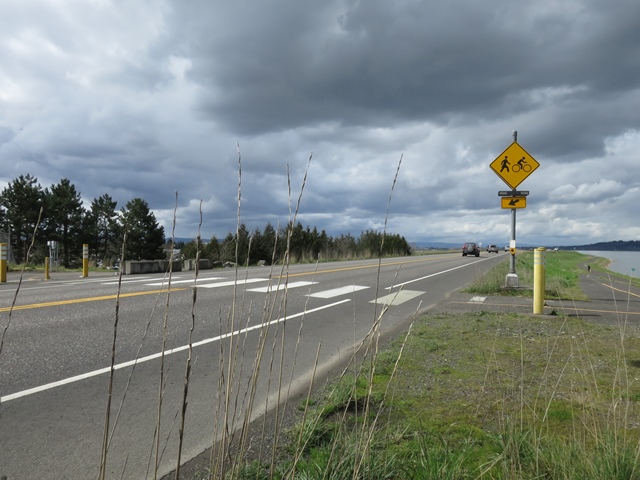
{"points": [[433, 275], [95, 373]]}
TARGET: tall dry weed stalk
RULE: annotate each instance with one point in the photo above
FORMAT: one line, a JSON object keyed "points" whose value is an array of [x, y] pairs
{"points": [[15, 296]]}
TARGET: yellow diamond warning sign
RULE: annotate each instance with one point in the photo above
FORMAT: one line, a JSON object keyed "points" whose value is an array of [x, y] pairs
{"points": [[514, 165]]}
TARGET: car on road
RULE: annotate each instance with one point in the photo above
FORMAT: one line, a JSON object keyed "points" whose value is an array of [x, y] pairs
{"points": [[492, 249], [470, 248], [506, 248]]}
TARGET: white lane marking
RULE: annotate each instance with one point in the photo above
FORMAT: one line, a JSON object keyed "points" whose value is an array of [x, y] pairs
{"points": [[233, 282], [477, 299], [127, 280], [433, 274], [282, 286], [336, 292], [190, 280], [154, 356], [397, 298]]}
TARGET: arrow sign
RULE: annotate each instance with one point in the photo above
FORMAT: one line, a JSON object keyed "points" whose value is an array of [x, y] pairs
{"points": [[513, 202]]}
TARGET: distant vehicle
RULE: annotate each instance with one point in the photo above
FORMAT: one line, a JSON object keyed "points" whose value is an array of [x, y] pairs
{"points": [[470, 248], [492, 249], [506, 248]]}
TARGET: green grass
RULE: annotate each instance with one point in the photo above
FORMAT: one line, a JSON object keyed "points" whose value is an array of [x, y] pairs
{"points": [[479, 396], [501, 397], [562, 274]]}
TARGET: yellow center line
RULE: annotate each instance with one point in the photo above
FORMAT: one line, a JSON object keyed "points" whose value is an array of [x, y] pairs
{"points": [[87, 299], [154, 292]]}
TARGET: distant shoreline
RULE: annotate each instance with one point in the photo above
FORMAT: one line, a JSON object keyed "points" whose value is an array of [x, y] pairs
{"points": [[622, 262]]}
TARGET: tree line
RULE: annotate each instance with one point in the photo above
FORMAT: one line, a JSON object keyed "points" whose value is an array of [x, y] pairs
{"points": [[32, 217], [295, 243]]}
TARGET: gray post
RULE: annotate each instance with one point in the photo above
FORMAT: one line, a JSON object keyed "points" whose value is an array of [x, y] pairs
{"points": [[512, 277]]}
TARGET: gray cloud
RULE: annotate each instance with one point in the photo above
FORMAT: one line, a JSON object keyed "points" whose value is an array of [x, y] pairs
{"points": [[146, 98]]}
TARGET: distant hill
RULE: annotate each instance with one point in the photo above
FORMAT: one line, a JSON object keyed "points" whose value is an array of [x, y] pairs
{"points": [[617, 245]]}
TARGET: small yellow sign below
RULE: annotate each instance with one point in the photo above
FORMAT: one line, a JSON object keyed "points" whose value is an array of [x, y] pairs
{"points": [[514, 165], [513, 202]]}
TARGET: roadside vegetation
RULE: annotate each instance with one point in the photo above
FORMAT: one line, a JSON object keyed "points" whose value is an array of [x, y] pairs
{"points": [[475, 396], [52, 222], [469, 396], [562, 272]]}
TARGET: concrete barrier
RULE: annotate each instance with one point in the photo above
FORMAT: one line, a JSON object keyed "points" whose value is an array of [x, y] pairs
{"points": [[134, 267], [204, 264]]}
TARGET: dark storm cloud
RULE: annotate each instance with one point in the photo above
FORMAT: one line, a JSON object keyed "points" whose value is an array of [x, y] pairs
{"points": [[381, 62], [148, 98]]}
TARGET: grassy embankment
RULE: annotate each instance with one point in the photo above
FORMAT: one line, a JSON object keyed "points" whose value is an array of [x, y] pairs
{"points": [[479, 395]]}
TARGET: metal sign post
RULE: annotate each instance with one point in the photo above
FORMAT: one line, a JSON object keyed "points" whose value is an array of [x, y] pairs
{"points": [[513, 166]]}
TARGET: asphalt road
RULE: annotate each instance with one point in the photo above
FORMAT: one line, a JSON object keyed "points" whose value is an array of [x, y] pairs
{"points": [[255, 336]]}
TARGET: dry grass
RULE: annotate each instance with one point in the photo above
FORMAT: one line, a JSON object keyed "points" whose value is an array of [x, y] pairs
{"points": [[495, 396]]}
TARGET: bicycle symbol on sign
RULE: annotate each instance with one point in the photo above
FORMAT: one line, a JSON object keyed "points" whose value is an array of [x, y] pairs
{"points": [[521, 165]]}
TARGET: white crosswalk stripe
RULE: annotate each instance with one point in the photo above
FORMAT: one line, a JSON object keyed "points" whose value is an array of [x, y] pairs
{"points": [[397, 298], [392, 299], [336, 292], [126, 280], [282, 286], [191, 280], [233, 282]]}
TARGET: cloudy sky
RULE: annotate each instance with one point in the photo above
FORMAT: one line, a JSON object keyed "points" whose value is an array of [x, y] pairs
{"points": [[146, 98]]}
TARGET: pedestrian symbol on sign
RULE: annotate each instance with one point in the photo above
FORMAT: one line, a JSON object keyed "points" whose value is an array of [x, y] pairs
{"points": [[505, 164], [514, 172]]}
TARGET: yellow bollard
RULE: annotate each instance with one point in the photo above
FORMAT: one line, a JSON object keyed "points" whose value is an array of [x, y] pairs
{"points": [[46, 268], [538, 280], [85, 260], [3, 263]]}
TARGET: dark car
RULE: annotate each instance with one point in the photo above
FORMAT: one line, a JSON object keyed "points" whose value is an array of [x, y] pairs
{"points": [[470, 248], [492, 249]]}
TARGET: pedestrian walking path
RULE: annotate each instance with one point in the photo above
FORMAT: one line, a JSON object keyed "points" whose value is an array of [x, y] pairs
{"points": [[612, 300]]}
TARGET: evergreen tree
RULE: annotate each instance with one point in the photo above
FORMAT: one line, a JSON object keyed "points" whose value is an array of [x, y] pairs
{"points": [[102, 228], [243, 245], [267, 243], [64, 220], [211, 249], [145, 237], [22, 199], [228, 249]]}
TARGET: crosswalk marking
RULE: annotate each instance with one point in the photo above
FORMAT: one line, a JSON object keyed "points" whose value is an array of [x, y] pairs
{"points": [[213, 282], [397, 298], [126, 280], [282, 286], [233, 282], [336, 292], [477, 299], [191, 280]]}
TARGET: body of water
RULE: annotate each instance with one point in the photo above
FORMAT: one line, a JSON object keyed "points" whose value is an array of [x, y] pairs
{"points": [[626, 263]]}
